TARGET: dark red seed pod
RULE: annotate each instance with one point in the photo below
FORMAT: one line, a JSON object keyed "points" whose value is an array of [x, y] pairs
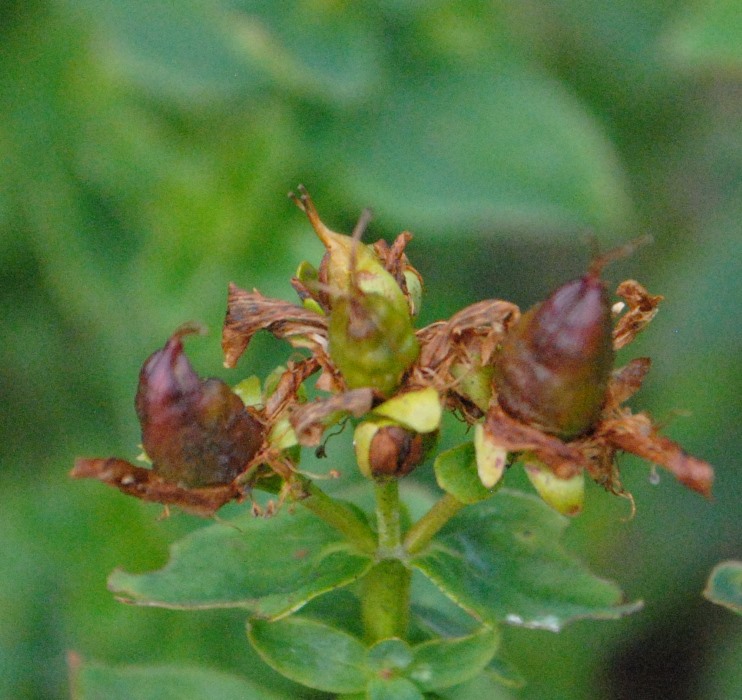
{"points": [[552, 371], [196, 432]]}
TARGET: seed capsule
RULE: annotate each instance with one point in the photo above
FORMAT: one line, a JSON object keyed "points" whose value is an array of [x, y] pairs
{"points": [[371, 341], [196, 432], [552, 371], [385, 449]]}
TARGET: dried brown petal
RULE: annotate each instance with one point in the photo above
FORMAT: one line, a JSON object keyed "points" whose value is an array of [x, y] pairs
{"points": [[310, 420], [475, 330], [565, 459], [250, 312], [637, 434], [643, 307], [626, 381], [147, 486], [288, 385]]}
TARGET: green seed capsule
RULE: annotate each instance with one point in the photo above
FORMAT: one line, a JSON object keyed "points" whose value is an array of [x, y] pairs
{"points": [[371, 341], [552, 371]]}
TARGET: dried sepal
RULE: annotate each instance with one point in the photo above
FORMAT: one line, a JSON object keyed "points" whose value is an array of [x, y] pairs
{"points": [[564, 459], [146, 485], [475, 330], [349, 264], [285, 393], [454, 353], [643, 307], [638, 435], [250, 312], [626, 381], [312, 419]]}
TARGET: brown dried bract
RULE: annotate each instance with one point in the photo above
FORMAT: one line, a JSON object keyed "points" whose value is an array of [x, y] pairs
{"points": [[250, 312], [643, 307], [147, 486], [565, 459], [310, 420], [626, 381], [474, 331], [638, 435]]}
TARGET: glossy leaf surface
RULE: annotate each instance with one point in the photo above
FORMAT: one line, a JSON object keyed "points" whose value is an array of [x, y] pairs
{"points": [[502, 561], [270, 566]]}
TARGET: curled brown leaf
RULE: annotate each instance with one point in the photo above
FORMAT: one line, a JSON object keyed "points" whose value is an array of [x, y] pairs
{"points": [[147, 486], [643, 307], [638, 435], [250, 312], [310, 420]]}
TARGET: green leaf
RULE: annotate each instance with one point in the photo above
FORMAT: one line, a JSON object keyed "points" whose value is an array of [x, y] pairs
{"points": [[318, 50], [485, 685], [456, 473], [311, 653], [388, 656], [465, 149], [708, 35], [724, 586], [93, 681], [442, 663], [186, 51], [270, 566], [392, 689], [501, 561], [505, 673]]}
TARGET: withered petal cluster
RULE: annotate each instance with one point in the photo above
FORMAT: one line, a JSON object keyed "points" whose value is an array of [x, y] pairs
{"points": [[202, 427]]}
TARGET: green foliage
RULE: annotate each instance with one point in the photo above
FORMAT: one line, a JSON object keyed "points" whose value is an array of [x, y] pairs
{"points": [[92, 681], [522, 576], [145, 149], [724, 586], [269, 566]]}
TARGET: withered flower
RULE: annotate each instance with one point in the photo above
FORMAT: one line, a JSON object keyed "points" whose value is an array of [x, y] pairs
{"points": [[197, 433], [538, 387], [612, 428]]}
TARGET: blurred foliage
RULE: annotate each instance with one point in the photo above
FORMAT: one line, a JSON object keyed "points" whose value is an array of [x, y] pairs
{"points": [[145, 152]]}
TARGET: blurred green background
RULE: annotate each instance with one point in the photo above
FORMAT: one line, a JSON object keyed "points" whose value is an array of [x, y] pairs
{"points": [[146, 148]]}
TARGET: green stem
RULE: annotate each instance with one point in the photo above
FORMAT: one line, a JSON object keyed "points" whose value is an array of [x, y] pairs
{"points": [[385, 599], [339, 516], [420, 534], [387, 518]]}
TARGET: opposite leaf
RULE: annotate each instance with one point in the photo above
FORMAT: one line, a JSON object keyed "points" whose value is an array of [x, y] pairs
{"points": [[311, 653], [501, 561], [270, 566], [442, 663], [93, 681], [724, 586]]}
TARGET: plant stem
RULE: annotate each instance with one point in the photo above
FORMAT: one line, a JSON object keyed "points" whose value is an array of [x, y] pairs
{"points": [[385, 599], [387, 518], [420, 534], [339, 516]]}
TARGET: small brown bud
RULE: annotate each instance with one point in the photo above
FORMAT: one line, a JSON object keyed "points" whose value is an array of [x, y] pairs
{"points": [[385, 449]]}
